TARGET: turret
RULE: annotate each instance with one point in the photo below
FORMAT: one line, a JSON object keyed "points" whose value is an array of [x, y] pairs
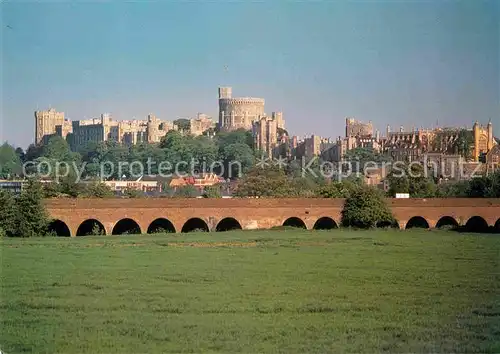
{"points": [[476, 133], [152, 128], [490, 135]]}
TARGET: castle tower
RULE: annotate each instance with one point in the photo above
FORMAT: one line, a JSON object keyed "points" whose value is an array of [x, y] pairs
{"points": [[152, 128], [476, 133], [278, 117], [225, 92], [239, 112], [45, 124], [490, 135]]}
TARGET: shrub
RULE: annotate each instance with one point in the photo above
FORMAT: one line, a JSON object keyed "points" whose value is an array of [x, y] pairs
{"points": [[365, 208], [212, 192], [335, 190], [32, 218], [7, 213], [188, 191], [97, 190], [133, 193]]}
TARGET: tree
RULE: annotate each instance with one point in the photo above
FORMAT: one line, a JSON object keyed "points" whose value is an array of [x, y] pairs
{"points": [[212, 192], [97, 190], [32, 218], [33, 152], [335, 190], [410, 179], [183, 124], [204, 150], [7, 213], [21, 154], [478, 187], [264, 182], [58, 149], [366, 208], [493, 191], [10, 163], [239, 136], [398, 179], [463, 143], [359, 157], [188, 191], [133, 193], [452, 189], [238, 158]]}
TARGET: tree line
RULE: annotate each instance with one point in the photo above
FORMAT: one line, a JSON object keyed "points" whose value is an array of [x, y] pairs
{"points": [[254, 181]]}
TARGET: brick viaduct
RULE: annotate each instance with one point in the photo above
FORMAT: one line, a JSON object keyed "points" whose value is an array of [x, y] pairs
{"points": [[79, 217]]}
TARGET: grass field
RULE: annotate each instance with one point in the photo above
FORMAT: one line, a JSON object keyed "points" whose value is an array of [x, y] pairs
{"points": [[253, 291]]}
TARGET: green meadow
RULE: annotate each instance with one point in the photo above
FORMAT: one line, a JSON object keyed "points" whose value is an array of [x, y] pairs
{"points": [[290, 291]]}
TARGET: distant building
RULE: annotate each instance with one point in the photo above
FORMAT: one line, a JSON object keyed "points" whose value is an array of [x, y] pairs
{"points": [[238, 113], [143, 186], [46, 123], [14, 187], [201, 124], [356, 128], [311, 146], [200, 181], [80, 132], [413, 144], [265, 133]]}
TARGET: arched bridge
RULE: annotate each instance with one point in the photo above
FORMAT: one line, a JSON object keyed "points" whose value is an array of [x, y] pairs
{"points": [[79, 217]]}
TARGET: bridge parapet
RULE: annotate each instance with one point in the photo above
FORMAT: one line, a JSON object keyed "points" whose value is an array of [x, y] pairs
{"points": [[255, 213]]}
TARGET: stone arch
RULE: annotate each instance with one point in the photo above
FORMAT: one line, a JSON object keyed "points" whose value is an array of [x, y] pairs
{"points": [[126, 226], [417, 221], [161, 225], [91, 227], [195, 224], [325, 223], [59, 228], [228, 224], [476, 224], [447, 222], [295, 222]]}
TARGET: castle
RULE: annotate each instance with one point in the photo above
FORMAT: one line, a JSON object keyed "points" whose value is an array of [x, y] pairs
{"points": [[234, 113], [411, 145], [248, 113], [49, 123]]}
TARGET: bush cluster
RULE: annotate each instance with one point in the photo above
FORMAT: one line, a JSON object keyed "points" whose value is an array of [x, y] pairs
{"points": [[24, 215]]}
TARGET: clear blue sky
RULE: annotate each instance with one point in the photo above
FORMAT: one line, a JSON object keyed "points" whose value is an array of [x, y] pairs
{"points": [[392, 62]]}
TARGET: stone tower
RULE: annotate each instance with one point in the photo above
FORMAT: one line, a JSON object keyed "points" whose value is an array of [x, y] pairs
{"points": [[483, 139], [45, 124], [152, 128], [225, 92], [239, 112]]}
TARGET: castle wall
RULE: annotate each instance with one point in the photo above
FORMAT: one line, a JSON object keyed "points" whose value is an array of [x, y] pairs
{"points": [[239, 113], [45, 124]]}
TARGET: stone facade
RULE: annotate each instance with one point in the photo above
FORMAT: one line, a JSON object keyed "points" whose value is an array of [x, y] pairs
{"points": [[483, 139], [413, 144], [355, 127], [311, 146], [100, 129], [201, 124], [238, 113], [265, 135], [46, 123]]}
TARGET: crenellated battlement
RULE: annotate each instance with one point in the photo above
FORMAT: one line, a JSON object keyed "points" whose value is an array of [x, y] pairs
{"points": [[242, 101]]}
